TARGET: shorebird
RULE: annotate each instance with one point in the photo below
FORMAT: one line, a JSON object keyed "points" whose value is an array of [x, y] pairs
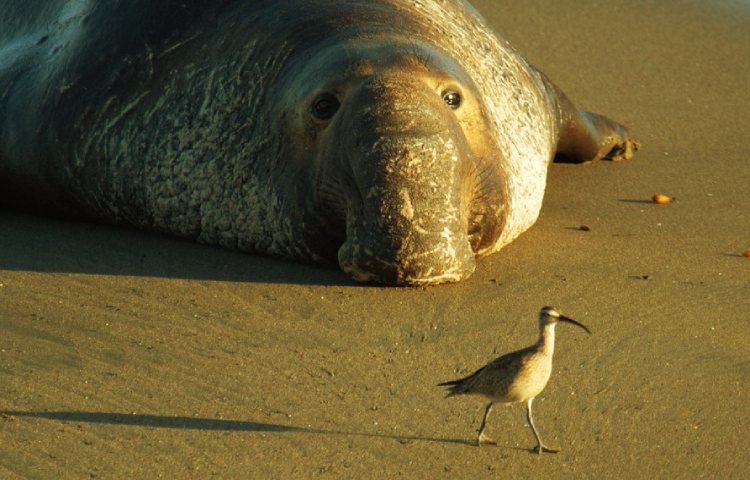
{"points": [[516, 377]]}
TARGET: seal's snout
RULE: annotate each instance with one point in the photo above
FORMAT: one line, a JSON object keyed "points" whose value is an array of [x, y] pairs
{"points": [[409, 268], [408, 228], [408, 223]]}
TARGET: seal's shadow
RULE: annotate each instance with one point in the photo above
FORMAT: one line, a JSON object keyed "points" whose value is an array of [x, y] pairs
{"points": [[210, 424], [41, 244]]}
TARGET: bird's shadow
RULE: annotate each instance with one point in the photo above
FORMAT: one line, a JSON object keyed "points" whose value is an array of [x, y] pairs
{"points": [[211, 424]]}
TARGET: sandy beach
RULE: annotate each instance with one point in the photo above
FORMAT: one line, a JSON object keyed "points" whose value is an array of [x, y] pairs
{"points": [[130, 355]]}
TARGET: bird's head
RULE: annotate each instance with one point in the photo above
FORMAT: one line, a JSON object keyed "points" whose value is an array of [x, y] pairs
{"points": [[550, 316]]}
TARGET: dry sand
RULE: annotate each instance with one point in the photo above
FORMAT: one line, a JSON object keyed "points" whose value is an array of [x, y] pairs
{"points": [[128, 355]]}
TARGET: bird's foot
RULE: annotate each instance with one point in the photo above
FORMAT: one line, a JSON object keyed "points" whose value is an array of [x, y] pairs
{"points": [[541, 448], [483, 439]]}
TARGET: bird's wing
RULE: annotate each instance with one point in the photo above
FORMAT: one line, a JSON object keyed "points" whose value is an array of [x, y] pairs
{"points": [[507, 362]]}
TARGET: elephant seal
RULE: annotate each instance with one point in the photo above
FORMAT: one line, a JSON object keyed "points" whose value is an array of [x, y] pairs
{"points": [[399, 138]]}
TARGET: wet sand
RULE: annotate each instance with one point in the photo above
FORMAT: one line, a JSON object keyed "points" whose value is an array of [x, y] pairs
{"points": [[130, 355]]}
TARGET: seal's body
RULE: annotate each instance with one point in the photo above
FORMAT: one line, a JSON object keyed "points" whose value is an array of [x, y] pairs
{"points": [[400, 138]]}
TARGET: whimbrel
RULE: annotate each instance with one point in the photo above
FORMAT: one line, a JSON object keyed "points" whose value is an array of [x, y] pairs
{"points": [[516, 377]]}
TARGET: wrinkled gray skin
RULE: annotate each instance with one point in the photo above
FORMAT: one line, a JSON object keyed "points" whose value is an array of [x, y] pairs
{"points": [[399, 138]]}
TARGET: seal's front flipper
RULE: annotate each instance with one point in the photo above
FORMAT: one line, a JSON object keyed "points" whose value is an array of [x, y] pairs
{"points": [[585, 136]]}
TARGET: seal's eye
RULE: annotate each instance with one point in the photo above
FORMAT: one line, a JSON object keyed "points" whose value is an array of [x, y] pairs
{"points": [[325, 106], [452, 98]]}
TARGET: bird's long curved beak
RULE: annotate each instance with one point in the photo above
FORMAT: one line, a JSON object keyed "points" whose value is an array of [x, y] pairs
{"points": [[563, 318]]}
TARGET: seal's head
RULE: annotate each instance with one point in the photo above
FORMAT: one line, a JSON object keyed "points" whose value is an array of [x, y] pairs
{"points": [[407, 183]]}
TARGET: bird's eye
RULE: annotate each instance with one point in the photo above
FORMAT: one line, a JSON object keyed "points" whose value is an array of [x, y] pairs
{"points": [[325, 106], [452, 98]]}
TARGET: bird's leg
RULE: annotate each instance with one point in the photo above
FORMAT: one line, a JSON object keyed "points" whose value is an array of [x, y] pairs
{"points": [[540, 446], [482, 438]]}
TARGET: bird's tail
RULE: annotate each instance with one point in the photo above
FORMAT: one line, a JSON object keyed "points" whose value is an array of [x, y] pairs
{"points": [[455, 387]]}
